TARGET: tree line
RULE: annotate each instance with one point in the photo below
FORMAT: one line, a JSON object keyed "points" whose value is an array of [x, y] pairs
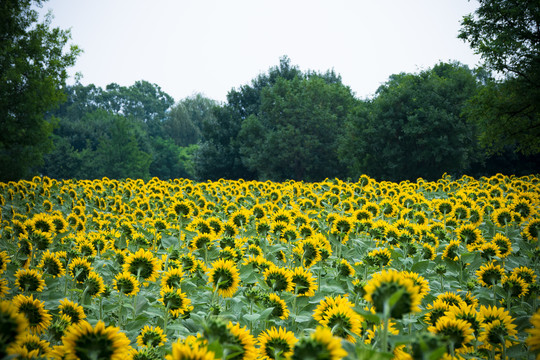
{"points": [[284, 124]]}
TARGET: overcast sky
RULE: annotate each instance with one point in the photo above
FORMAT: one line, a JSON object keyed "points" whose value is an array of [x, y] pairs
{"points": [[211, 46]]}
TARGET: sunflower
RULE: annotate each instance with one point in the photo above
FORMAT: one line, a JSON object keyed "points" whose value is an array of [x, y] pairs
{"points": [[444, 207], [201, 242], [502, 216], [4, 260], [458, 333], [93, 285], [490, 274], [309, 252], [12, 325], [436, 310], [224, 277], [467, 313], [329, 302], [79, 269], [380, 257], [526, 274], [452, 299], [41, 240], [322, 343], [420, 281], [452, 251], [151, 336], [59, 326], [345, 269], [384, 285], [343, 322], [503, 243], [276, 344], [126, 283], [172, 277], [533, 341], [489, 250], [182, 209], [84, 341], [4, 288], [189, 350], [175, 301], [497, 332], [303, 282], [243, 342], [29, 280], [532, 229], [50, 264], [280, 307], [470, 235], [42, 222], [30, 346], [72, 309], [34, 310], [515, 286], [428, 252], [278, 278], [143, 264]]}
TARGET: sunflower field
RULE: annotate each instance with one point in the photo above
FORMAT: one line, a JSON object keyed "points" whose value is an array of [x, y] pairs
{"points": [[109, 269]]}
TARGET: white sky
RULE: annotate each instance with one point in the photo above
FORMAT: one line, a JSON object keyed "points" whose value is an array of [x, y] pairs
{"points": [[211, 46]]}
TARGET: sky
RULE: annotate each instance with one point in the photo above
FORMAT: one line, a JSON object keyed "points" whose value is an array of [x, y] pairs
{"points": [[211, 46]]}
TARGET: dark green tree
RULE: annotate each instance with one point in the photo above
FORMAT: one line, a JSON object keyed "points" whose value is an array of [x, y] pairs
{"points": [[33, 63], [295, 134], [413, 127], [506, 33]]}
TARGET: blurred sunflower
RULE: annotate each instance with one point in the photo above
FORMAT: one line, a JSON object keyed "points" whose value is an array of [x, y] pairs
{"points": [[12, 326], [189, 350], [533, 341], [278, 278], [151, 336], [470, 235], [435, 310], [84, 341], [345, 269], [343, 322], [224, 277], [29, 280], [420, 281], [243, 342], [452, 251], [4, 260], [30, 346], [490, 274], [175, 301], [34, 310], [428, 252], [458, 333], [384, 285], [303, 282], [276, 344], [143, 265], [72, 309], [380, 257], [532, 229], [497, 332], [50, 264], [322, 343]]}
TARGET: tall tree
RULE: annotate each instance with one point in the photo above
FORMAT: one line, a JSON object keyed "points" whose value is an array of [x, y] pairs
{"points": [[33, 64], [506, 33], [413, 127]]}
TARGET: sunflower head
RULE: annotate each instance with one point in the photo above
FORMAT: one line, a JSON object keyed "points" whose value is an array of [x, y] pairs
{"points": [[276, 343], [225, 277], [322, 343], [151, 336], [12, 325]]}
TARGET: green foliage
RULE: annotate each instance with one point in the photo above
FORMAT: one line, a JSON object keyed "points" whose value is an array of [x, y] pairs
{"points": [[33, 66], [506, 33], [413, 127]]}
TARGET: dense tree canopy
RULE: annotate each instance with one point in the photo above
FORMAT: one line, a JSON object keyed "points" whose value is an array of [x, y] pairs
{"points": [[33, 63], [413, 127], [506, 33]]}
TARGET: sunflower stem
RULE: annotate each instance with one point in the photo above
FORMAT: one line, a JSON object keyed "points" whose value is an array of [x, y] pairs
{"points": [[386, 315]]}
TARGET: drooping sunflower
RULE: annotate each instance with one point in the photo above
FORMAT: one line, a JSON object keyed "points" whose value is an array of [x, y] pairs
{"points": [[29, 280], [467, 313], [490, 274], [280, 306], [79, 269], [470, 235], [304, 283], [72, 309], [380, 257], [4, 260], [151, 336], [532, 230], [243, 341], [50, 264], [189, 350], [30, 346], [533, 341], [40, 240], [327, 303], [428, 252], [451, 298], [497, 332], [502, 216], [126, 283], [94, 285], [84, 341], [420, 281], [526, 274], [34, 310], [451, 251], [144, 265], [12, 325], [345, 269], [321, 342], [42, 222], [225, 277], [490, 250], [278, 278], [175, 301], [458, 332], [343, 322], [436, 310], [383, 285], [503, 243], [172, 277], [276, 343]]}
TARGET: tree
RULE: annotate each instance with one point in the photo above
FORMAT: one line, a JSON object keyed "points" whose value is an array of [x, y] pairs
{"points": [[33, 67], [413, 127], [506, 33], [296, 132]]}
